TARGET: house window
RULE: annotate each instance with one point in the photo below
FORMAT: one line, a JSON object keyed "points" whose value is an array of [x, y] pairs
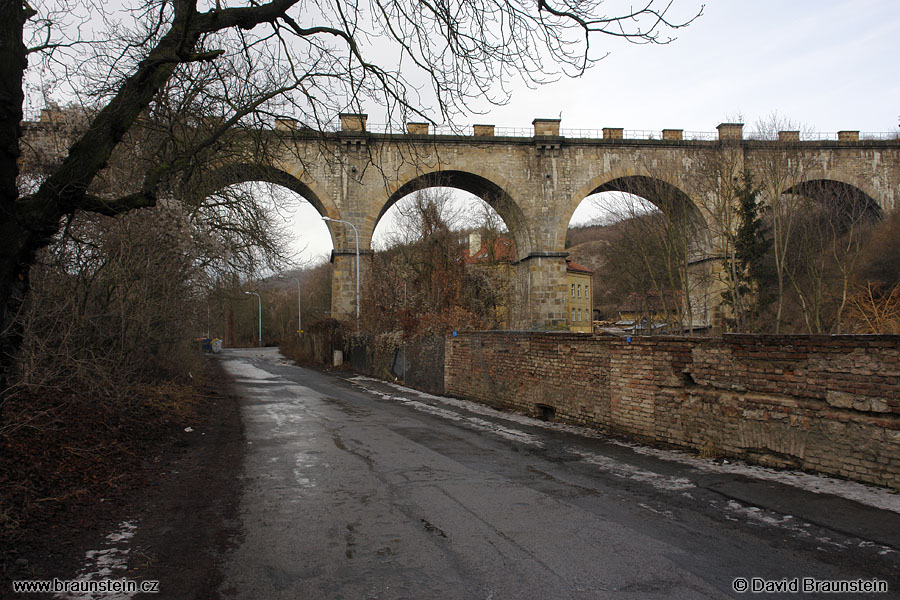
{"points": [[579, 290], [579, 314], [573, 290], [573, 315], [586, 291]]}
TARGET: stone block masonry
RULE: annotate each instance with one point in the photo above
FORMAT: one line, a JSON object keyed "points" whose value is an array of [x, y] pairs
{"points": [[535, 181], [829, 404]]}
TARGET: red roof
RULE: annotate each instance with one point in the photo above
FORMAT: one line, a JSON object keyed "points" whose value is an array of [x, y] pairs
{"points": [[503, 252], [574, 267]]}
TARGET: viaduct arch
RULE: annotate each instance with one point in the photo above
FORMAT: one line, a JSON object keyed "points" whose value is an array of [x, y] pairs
{"points": [[248, 172], [535, 183], [491, 191]]}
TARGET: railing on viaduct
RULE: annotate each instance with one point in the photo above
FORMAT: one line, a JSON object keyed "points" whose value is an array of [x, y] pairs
{"points": [[550, 127]]}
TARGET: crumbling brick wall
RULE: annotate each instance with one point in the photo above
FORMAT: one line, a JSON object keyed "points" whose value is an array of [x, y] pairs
{"points": [[822, 403]]}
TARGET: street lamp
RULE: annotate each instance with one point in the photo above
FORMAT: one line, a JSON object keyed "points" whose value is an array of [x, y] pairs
{"points": [[356, 231], [299, 324], [258, 297]]}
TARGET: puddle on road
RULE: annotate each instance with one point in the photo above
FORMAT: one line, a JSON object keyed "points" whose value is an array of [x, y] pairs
{"points": [[303, 466]]}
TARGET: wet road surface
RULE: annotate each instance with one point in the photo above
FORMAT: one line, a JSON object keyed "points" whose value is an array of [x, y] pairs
{"points": [[356, 488]]}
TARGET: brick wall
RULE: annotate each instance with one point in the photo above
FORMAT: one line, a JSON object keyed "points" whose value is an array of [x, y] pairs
{"points": [[822, 403]]}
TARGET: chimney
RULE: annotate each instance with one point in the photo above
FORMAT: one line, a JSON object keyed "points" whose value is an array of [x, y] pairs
{"points": [[353, 121], [474, 243]]}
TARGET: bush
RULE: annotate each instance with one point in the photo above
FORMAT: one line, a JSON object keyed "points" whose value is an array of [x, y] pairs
{"points": [[111, 309]]}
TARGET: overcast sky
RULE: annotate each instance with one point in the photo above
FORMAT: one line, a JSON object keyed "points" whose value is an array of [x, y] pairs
{"points": [[824, 65]]}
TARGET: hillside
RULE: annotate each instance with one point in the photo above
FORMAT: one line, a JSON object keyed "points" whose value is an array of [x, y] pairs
{"points": [[589, 246]]}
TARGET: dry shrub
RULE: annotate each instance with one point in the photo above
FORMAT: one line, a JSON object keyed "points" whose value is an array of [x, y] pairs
{"points": [[176, 399], [104, 379], [108, 315], [453, 318], [876, 309], [874, 304], [710, 450]]}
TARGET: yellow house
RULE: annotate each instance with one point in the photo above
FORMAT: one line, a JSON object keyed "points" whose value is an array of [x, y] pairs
{"points": [[497, 257], [581, 313]]}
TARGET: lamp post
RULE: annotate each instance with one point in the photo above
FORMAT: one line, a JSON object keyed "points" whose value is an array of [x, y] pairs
{"points": [[258, 297], [355, 231], [299, 323]]}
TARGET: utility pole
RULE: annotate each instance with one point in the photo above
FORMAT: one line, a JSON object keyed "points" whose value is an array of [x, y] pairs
{"points": [[258, 297]]}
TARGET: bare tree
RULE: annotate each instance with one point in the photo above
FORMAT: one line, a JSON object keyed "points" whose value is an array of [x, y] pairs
{"points": [[646, 257], [668, 233], [715, 185], [427, 282], [836, 221], [740, 240], [634, 269], [178, 75], [876, 309], [778, 168], [497, 282], [819, 268], [816, 230], [114, 304]]}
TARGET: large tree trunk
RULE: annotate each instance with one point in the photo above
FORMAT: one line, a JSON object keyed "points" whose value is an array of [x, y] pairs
{"points": [[17, 252], [17, 246], [29, 223]]}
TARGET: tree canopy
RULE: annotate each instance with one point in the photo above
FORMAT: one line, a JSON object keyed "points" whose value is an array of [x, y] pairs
{"points": [[170, 78]]}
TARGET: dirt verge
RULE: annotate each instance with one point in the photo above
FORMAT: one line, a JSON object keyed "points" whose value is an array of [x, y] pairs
{"points": [[173, 476]]}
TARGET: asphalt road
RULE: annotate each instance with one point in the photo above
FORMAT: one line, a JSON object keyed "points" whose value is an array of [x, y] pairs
{"points": [[355, 488]]}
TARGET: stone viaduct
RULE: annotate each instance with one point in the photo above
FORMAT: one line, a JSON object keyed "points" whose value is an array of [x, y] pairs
{"points": [[536, 182]]}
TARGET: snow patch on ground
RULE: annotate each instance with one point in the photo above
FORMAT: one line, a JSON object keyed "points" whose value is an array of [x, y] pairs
{"points": [[474, 422], [626, 471], [764, 516], [107, 563], [882, 498], [247, 373], [665, 513]]}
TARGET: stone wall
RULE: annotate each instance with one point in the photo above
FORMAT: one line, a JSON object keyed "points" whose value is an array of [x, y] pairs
{"points": [[822, 403], [416, 362]]}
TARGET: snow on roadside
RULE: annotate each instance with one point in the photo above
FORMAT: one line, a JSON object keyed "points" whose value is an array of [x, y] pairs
{"points": [[626, 471], [877, 497], [107, 563], [504, 432], [870, 495], [244, 372]]}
